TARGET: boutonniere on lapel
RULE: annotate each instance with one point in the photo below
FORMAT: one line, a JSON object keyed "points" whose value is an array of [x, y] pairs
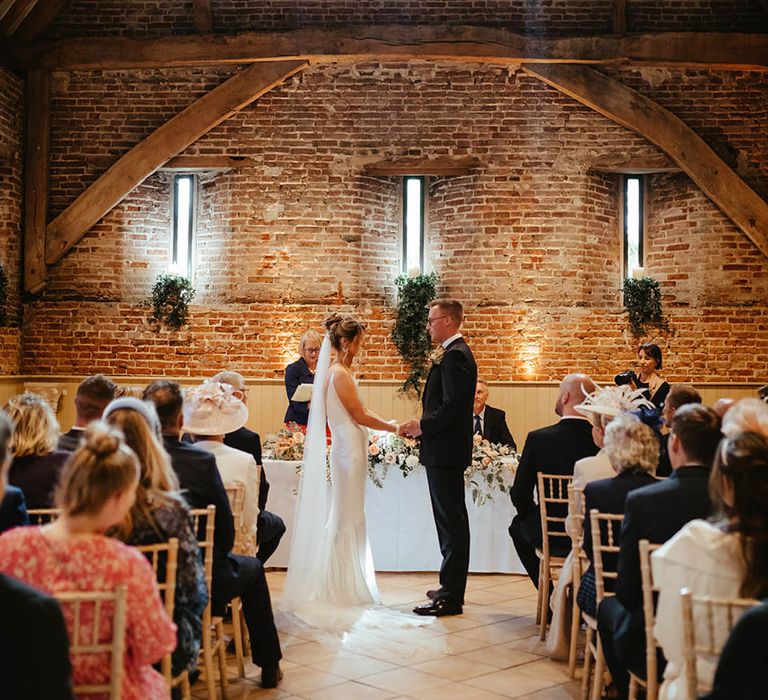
{"points": [[436, 356]]}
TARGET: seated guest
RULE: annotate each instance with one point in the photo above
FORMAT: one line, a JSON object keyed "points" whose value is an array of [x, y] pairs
{"points": [[762, 393], [233, 575], [726, 557], [655, 513], [649, 361], [13, 511], [742, 671], [746, 416], [488, 421], [212, 410], [158, 514], [633, 451], [33, 637], [96, 490], [270, 527], [302, 372], [679, 395], [601, 407], [552, 450], [92, 397], [36, 461]]}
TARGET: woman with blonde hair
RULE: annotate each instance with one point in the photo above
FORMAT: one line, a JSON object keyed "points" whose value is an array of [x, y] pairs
{"points": [[158, 514], [302, 372], [633, 450], [96, 490], [36, 461]]}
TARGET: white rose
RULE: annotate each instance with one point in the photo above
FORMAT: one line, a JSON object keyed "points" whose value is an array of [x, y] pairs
{"points": [[411, 461], [389, 458]]}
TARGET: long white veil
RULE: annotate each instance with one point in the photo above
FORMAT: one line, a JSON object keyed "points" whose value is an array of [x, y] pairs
{"points": [[314, 499]]}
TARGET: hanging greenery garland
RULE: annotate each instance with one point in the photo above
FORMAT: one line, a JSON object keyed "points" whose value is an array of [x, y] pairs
{"points": [[642, 302], [170, 300], [410, 332]]}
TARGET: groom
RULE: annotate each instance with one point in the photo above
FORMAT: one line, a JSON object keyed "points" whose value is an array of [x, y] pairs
{"points": [[446, 450]]}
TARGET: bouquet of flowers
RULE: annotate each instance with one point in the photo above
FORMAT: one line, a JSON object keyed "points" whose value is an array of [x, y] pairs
{"points": [[387, 450], [286, 444], [492, 469]]}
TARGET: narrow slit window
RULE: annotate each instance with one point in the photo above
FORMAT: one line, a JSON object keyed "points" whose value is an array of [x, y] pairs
{"points": [[633, 223], [413, 224], [183, 225]]}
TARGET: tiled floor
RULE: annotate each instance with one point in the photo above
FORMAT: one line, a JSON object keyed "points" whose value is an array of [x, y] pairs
{"points": [[491, 651]]}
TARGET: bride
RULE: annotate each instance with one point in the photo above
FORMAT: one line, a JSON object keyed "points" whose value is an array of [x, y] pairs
{"points": [[331, 567]]}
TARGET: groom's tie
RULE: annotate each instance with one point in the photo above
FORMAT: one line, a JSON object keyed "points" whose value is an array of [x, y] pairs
{"points": [[478, 426]]}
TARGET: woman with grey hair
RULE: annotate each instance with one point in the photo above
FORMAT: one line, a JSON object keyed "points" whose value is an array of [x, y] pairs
{"points": [[302, 372], [633, 449]]}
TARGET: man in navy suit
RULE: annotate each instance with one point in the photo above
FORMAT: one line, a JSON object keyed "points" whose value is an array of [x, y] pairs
{"points": [[233, 575], [551, 450], [656, 513], [488, 421], [269, 527], [445, 429]]}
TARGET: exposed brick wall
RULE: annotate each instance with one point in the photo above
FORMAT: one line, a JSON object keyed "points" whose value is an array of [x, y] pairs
{"points": [[697, 16], [529, 239], [11, 127], [143, 18]]}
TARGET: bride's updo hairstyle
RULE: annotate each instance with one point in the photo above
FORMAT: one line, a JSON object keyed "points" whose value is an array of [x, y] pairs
{"points": [[102, 467], [342, 326]]}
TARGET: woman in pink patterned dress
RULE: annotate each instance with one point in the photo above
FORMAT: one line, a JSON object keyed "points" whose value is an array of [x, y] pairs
{"points": [[97, 489]]}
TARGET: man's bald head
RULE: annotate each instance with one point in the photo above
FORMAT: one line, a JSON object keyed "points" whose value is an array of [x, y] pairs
{"points": [[573, 389]]}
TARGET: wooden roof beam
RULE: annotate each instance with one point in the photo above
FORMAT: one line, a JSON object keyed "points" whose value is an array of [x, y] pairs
{"points": [[39, 19], [15, 16], [159, 147], [442, 166], [399, 42], [629, 108]]}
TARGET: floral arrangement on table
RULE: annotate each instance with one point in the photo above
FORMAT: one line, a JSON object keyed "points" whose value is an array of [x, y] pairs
{"points": [[287, 444], [492, 467]]}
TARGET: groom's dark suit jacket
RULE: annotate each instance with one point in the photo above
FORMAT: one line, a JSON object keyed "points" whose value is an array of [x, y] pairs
{"points": [[446, 422]]}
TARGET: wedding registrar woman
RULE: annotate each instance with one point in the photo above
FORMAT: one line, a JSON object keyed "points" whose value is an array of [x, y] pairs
{"points": [[331, 567]]}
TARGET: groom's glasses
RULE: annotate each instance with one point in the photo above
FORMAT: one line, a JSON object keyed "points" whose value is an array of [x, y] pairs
{"points": [[430, 321]]}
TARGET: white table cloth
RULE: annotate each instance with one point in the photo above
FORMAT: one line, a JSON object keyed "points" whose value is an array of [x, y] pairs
{"points": [[400, 524]]}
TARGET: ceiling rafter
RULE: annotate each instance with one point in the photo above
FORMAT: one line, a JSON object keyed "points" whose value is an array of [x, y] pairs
{"points": [[397, 42]]}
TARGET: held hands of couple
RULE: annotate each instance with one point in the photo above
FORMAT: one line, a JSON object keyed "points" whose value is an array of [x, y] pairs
{"points": [[412, 429]]}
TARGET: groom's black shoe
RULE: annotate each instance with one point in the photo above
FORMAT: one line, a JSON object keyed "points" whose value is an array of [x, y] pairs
{"points": [[438, 608]]}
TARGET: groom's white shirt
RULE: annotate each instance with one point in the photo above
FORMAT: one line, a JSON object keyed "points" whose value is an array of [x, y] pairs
{"points": [[446, 343]]}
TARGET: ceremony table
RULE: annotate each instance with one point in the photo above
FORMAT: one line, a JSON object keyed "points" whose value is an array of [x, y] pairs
{"points": [[400, 524]]}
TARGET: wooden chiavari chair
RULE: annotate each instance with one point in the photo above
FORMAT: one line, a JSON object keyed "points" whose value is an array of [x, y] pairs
{"points": [[651, 682], [203, 521], [163, 558], [42, 516], [236, 495], [85, 641], [553, 497], [576, 512], [606, 528], [719, 616]]}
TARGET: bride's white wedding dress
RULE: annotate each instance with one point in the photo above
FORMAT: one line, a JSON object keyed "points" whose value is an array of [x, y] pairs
{"points": [[331, 582], [345, 574]]}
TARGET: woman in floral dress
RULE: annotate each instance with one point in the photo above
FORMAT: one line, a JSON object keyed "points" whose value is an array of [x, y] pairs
{"points": [[96, 491]]}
